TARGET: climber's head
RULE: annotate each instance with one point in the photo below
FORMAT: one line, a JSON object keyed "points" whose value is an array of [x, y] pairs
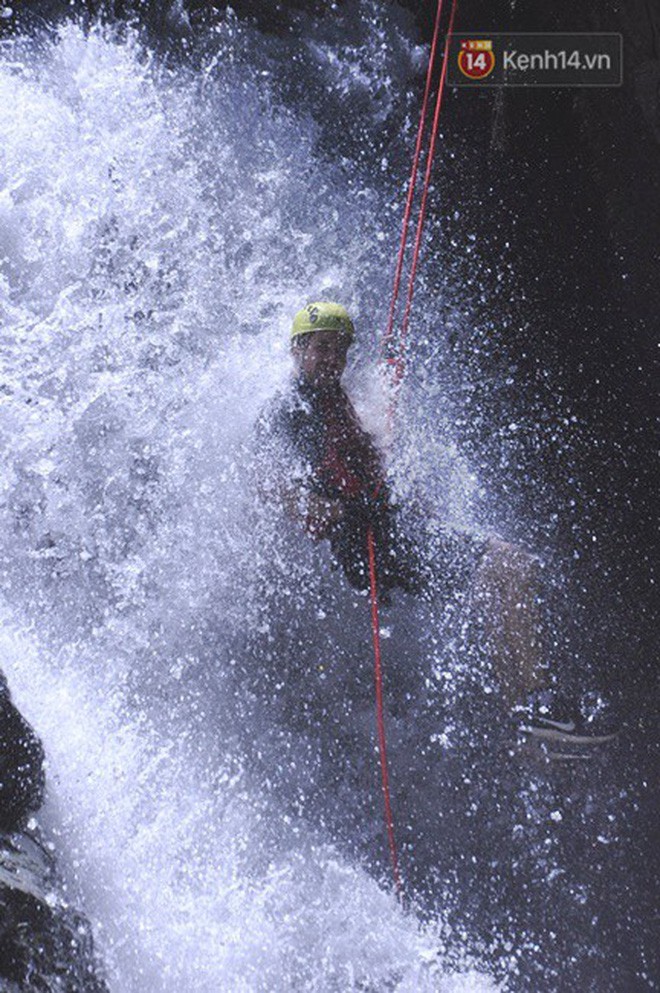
{"points": [[321, 335]]}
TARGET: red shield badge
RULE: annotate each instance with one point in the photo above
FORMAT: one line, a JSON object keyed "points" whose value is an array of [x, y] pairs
{"points": [[476, 58]]}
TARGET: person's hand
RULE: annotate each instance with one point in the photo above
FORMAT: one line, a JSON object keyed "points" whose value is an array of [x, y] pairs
{"points": [[322, 514]]}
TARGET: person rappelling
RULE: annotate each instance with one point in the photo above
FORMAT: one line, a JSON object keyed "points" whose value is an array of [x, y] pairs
{"points": [[324, 472]]}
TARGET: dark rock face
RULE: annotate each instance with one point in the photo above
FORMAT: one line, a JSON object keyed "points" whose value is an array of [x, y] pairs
{"points": [[21, 765], [44, 944]]}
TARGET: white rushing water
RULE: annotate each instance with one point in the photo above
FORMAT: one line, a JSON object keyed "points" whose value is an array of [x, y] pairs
{"points": [[158, 227]]}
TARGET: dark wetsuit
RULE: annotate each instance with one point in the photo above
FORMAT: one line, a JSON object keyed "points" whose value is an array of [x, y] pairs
{"points": [[314, 440]]}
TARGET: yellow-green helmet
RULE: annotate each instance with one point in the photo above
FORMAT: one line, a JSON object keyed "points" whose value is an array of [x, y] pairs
{"points": [[322, 317]]}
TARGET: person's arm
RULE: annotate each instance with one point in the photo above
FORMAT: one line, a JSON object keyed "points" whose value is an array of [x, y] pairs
{"points": [[284, 482], [314, 513]]}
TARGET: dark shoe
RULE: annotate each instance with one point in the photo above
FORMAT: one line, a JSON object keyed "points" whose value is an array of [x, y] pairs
{"points": [[563, 733]]}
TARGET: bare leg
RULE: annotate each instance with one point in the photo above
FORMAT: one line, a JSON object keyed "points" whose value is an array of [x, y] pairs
{"points": [[505, 599]]}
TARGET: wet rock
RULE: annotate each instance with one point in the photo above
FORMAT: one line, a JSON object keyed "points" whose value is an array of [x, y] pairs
{"points": [[45, 944]]}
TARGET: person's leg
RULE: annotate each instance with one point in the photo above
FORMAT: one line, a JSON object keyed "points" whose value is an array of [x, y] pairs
{"points": [[498, 584], [505, 599]]}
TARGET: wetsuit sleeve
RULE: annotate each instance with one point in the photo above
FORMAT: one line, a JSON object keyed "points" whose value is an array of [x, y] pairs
{"points": [[21, 765], [281, 475]]}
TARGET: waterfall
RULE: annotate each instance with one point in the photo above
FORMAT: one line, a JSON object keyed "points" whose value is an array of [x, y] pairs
{"points": [[159, 226]]}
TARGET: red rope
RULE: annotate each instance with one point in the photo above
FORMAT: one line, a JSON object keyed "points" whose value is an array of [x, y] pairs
{"points": [[399, 368], [387, 337], [382, 743], [399, 364]]}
